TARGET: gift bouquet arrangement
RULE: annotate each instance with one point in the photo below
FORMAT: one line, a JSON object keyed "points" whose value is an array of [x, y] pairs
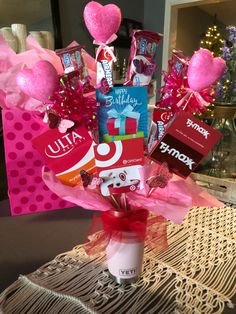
{"points": [[72, 137]]}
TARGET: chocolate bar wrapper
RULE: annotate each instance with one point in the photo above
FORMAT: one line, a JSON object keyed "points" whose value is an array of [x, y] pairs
{"points": [[105, 66], [72, 60], [142, 57]]}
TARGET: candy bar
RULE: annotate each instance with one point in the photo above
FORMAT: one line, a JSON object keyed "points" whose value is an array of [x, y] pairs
{"points": [[71, 59], [142, 57], [161, 117], [104, 66]]}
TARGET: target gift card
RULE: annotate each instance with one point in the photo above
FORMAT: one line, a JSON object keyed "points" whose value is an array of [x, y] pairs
{"points": [[118, 164], [119, 154]]}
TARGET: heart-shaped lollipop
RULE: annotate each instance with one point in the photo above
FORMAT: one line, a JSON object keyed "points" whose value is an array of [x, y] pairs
{"points": [[102, 21], [204, 69], [39, 82]]}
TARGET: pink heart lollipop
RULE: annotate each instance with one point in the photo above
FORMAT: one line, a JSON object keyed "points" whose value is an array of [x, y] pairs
{"points": [[204, 69], [39, 82], [102, 21]]}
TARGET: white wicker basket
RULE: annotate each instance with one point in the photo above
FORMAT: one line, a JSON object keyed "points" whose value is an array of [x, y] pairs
{"points": [[222, 189]]}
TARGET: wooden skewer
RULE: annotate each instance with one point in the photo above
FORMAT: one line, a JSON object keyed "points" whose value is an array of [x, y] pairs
{"points": [[114, 201], [124, 201]]}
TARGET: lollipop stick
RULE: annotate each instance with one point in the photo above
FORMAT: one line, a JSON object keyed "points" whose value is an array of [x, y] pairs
{"points": [[150, 192], [114, 201], [123, 201]]}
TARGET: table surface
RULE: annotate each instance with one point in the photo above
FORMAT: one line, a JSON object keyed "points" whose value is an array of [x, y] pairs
{"points": [[28, 241], [196, 274]]}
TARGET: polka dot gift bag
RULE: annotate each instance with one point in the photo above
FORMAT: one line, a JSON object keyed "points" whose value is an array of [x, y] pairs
{"points": [[26, 189], [21, 123]]}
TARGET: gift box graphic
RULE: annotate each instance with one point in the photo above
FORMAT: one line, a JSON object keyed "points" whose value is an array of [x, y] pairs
{"points": [[124, 122], [122, 111], [108, 138]]}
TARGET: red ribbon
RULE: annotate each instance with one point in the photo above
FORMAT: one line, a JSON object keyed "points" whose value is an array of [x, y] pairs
{"points": [[105, 45], [130, 221], [115, 224], [75, 100]]}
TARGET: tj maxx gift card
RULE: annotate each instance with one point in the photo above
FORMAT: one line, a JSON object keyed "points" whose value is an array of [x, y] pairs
{"points": [[186, 141]]}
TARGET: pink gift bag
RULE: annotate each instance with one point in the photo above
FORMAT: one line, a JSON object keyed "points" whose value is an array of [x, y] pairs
{"points": [[26, 189]]}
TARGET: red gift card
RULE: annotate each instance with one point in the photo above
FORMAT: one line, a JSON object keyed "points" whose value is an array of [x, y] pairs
{"points": [[118, 163], [67, 153], [186, 141]]}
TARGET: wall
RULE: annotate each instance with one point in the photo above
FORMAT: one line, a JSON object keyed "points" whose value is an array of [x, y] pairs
{"points": [[154, 14], [149, 12], [192, 24], [72, 23], [42, 25]]}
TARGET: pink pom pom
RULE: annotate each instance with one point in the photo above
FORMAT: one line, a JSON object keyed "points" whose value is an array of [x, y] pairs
{"points": [[102, 21], [39, 82], [204, 69]]}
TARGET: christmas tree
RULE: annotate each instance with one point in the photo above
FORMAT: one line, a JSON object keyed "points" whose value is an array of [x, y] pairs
{"points": [[226, 87], [213, 41]]}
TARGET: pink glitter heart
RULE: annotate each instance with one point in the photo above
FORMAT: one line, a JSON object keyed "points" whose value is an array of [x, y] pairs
{"points": [[204, 69], [102, 21], [39, 82]]}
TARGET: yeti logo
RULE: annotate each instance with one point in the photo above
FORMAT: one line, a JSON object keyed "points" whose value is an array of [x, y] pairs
{"points": [[198, 128], [165, 148]]}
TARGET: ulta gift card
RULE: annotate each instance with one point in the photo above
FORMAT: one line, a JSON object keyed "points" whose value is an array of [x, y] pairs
{"points": [[122, 111], [66, 154]]}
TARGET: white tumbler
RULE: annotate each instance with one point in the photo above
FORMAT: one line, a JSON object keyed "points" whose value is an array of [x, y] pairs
{"points": [[125, 258], [125, 248]]}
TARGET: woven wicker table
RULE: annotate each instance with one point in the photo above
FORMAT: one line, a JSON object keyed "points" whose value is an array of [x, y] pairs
{"points": [[196, 274]]}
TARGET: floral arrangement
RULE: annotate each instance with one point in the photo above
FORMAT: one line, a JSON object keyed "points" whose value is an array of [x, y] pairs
{"points": [[226, 87], [94, 137]]}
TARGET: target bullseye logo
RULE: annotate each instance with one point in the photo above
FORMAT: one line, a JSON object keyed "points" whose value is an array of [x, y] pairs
{"points": [[107, 154], [132, 188]]}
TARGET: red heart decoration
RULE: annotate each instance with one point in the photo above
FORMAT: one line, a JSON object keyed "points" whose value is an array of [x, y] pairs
{"points": [[102, 21], [39, 82], [204, 69]]}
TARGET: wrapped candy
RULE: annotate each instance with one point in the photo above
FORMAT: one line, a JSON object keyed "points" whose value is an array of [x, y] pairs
{"points": [[71, 59], [142, 57]]}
